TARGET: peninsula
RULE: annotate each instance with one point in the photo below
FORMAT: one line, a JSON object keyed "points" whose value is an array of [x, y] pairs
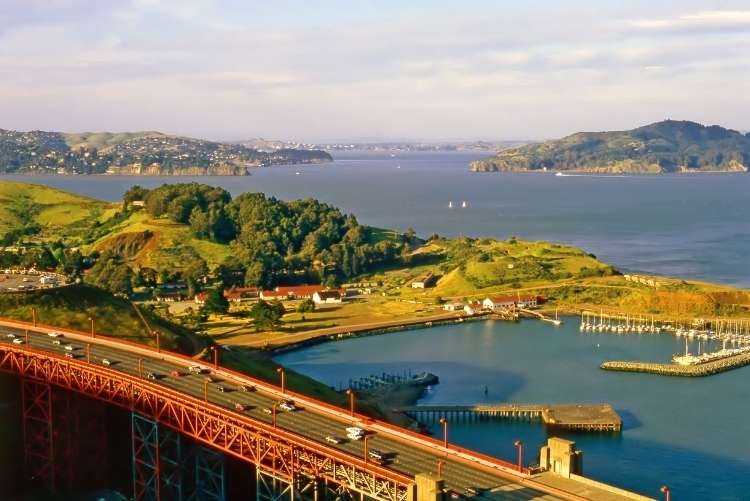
{"points": [[136, 153], [662, 147]]}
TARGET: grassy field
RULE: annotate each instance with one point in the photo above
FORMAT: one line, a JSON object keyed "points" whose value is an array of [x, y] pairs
{"points": [[60, 214]]}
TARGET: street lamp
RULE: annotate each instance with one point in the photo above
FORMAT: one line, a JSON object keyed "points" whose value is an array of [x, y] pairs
{"points": [[216, 356], [93, 323], [665, 490], [350, 392], [444, 422], [519, 446], [366, 451], [280, 371], [440, 465], [158, 341]]}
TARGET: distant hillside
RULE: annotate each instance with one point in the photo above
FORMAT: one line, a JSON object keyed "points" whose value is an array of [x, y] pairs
{"points": [[668, 146], [135, 153]]}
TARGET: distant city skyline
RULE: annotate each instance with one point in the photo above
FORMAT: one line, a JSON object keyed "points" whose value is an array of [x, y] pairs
{"points": [[372, 71]]}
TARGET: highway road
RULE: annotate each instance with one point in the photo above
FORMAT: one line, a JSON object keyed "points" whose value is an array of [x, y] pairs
{"points": [[405, 455]]}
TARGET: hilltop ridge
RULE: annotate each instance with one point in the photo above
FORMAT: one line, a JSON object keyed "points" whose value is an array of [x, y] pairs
{"points": [[667, 146]]}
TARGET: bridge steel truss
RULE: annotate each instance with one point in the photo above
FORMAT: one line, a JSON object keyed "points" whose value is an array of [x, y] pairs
{"points": [[274, 451]]}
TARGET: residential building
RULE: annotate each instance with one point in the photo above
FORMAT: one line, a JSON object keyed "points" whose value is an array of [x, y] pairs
{"points": [[499, 303], [327, 297], [423, 281]]}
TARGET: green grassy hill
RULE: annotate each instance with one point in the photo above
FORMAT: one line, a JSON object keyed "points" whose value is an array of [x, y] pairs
{"points": [[58, 214], [668, 146]]}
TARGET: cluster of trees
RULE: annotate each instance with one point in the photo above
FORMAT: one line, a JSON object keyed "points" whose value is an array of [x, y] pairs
{"points": [[272, 240], [45, 257]]}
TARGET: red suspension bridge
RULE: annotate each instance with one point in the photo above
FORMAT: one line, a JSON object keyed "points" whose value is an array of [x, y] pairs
{"points": [[288, 451]]}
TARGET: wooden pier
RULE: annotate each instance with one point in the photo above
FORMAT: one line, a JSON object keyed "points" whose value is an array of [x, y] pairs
{"points": [[582, 417]]}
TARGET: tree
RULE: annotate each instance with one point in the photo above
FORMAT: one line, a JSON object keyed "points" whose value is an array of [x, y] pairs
{"points": [[267, 315], [306, 306], [194, 275], [215, 303]]}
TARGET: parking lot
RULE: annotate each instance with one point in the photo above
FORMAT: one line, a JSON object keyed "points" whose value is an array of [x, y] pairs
{"points": [[16, 282]]}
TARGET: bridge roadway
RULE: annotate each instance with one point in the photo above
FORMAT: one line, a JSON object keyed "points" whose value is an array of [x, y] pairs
{"points": [[409, 455]]}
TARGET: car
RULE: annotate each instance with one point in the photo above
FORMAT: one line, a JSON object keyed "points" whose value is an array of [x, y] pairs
{"points": [[151, 376], [54, 334], [18, 340], [220, 389], [333, 439], [472, 491], [176, 373], [246, 388], [195, 369], [106, 361], [69, 347], [57, 342], [267, 410], [69, 355], [239, 407], [211, 379], [287, 406], [10, 335], [376, 454]]}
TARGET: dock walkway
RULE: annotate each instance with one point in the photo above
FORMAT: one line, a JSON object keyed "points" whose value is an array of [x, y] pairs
{"points": [[583, 417]]}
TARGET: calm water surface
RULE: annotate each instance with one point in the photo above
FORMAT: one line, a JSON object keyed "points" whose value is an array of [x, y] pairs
{"points": [[692, 434], [686, 225]]}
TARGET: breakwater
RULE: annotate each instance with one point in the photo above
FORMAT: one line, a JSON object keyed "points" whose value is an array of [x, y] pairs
{"points": [[699, 370]]}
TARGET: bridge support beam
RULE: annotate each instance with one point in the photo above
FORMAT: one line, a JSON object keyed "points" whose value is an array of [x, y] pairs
{"points": [[271, 487], [210, 482], [427, 487], [39, 457], [145, 436]]}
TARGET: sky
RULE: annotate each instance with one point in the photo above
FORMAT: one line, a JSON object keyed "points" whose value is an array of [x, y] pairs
{"points": [[378, 70]]}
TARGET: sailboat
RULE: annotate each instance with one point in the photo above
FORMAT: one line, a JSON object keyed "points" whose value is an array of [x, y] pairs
{"points": [[557, 320], [450, 204], [463, 204]]}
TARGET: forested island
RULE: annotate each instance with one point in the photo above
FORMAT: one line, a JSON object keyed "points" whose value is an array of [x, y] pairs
{"points": [[136, 153], [662, 147]]}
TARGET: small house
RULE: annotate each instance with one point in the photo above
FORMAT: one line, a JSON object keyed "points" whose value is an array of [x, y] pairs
{"points": [[327, 297], [473, 308], [453, 306], [423, 281], [499, 303]]}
